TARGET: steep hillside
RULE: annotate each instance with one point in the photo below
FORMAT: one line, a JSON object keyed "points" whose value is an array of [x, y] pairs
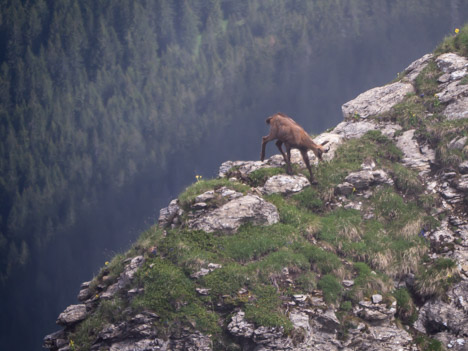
{"points": [[374, 257]]}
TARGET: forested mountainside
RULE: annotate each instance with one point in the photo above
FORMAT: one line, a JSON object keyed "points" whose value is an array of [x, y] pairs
{"points": [[92, 92], [372, 257]]}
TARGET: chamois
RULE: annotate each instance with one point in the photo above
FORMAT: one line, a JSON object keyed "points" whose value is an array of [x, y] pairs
{"points": [[292, 135]]}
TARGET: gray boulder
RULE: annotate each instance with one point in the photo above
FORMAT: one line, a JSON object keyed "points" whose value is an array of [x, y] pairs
{"points": [[415, 156], [376, 101], [285, 184], [457, 109], [229, 217], [72, 314], [451, 62], [413, 70]]}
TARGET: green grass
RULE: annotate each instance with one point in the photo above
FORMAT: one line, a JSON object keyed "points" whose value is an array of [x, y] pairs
{"points": [[265, 309], [455, 43], [434, 278], [406, 309], [260, 176], [330, 287], [171, 293]]}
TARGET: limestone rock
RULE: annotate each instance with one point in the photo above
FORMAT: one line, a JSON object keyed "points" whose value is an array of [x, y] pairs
{"points": [[414, 155], [458, 143], [167, 214], [383, 338], [451, 62], [452, 92], [240, 327], [413, 70], [334, 141], [350, 130], [72, 314], [245, 167], [458, 109], [376, 314], [377, 100], [362, 180], [285, 184], [229, 217], [125, 277]]}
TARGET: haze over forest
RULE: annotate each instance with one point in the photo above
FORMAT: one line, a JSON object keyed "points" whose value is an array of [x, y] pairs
{"points": [[107, 109]]}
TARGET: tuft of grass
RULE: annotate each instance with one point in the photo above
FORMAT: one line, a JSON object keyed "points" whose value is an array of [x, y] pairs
{"points": [[309, 199], [169, 292], [436, 278], [406, 180], [455, 43], [330, 287], [260, 176], [292, 214], [426, 82], [323, 262], [428, 344], [307, 282], [406, 309], [86, 332], [265, 309]]}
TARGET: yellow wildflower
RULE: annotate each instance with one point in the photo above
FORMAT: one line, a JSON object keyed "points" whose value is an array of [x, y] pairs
{"points": [[106, 263], [457, 30]]}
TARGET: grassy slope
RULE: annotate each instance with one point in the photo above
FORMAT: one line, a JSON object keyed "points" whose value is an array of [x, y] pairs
{"points": [[320, 246]]}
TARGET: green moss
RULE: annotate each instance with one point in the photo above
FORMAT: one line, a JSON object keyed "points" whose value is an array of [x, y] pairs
{"points": [[330, 287], [265, 309]]}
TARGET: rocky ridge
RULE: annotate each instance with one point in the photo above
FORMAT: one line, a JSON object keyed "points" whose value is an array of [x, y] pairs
{"points": [[437, 312]]}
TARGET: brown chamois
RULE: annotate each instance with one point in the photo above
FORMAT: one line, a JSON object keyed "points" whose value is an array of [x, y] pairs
{"points": [[292, 135]]}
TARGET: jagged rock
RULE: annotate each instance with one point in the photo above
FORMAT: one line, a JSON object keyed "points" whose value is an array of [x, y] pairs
{"points": [[451, 62], [72, 314], [204, 271], [413, 70], [271, 338], [350, 130], [203, 291], [457, 109], [458, 143], [452, 342], [229, 217], [452, 316], [452, 91], [168, 214], [55, 340], [462, 183], [140, 345], [348, 283], [376, 314], [377, 100], [329, 322], [84, 294], [285, 184], [414, 155], [244, 167], [124, 278], [344, 188], [376, 298], [240, 327], [382, 338], [361, 180]]}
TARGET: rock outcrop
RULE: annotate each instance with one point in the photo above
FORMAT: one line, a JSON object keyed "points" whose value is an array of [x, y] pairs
{"points": [[362, 322]]}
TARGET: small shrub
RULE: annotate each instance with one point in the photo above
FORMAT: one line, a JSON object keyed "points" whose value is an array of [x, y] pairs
{"points": [[330, 287]]}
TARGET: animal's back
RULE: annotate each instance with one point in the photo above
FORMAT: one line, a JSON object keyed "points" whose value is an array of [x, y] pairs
{"points": [[287, 129]]}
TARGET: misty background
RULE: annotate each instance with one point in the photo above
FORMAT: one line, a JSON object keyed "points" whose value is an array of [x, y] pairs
{"points": [[108, 110]]}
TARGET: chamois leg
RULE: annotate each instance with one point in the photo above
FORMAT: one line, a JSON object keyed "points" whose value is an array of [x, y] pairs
{"points": [[279, 144], [265, 140], [288, 153], [305, 157]]}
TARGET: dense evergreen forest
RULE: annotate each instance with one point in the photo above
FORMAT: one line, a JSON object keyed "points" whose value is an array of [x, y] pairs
{"points": [[92, 92]]}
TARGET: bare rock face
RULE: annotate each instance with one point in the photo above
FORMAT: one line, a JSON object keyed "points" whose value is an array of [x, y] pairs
{"points": [[285, 184], [450, 63], [452, 316], [351, 130], [72, 314], [169, 213], [458, 109], [125, 277], [415, 156], [376, 101], [413, 70], [229, 217]]}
